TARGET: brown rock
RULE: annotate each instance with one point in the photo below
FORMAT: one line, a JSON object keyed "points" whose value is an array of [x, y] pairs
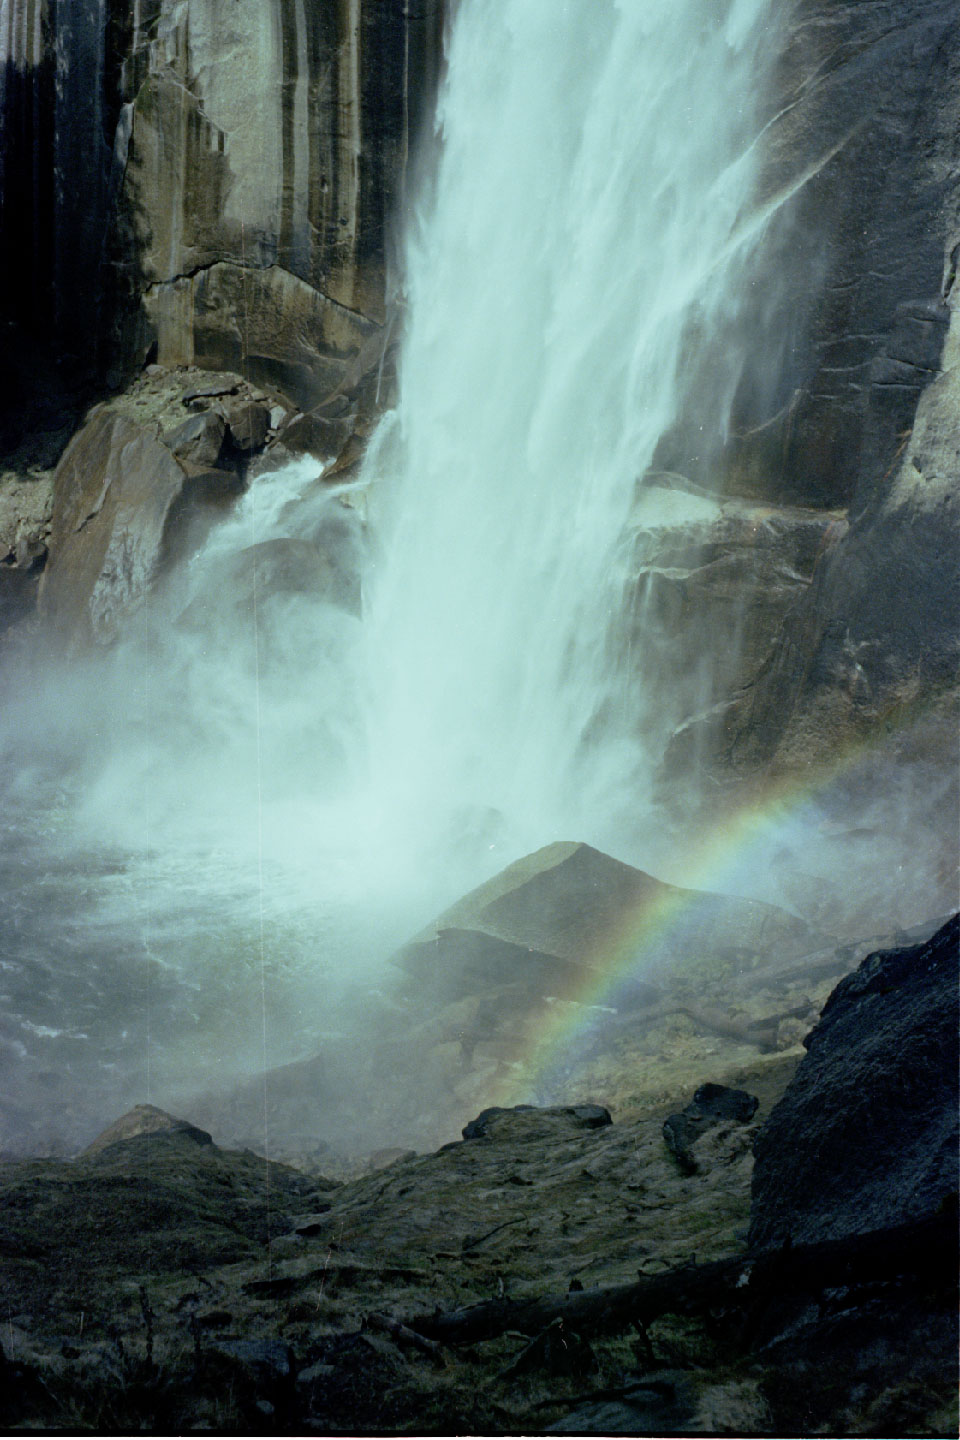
{"points": [[247, 424], [146, 1120], [198, 439], [316, 434], [117, 495]]}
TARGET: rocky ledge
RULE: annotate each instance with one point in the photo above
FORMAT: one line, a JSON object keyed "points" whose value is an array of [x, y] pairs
{"points": [[556, 1271]]}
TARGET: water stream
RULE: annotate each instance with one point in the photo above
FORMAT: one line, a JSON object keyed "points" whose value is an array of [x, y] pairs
{"points": [[260, 794]]}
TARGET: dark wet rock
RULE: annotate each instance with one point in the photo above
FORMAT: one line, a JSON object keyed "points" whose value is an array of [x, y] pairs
{"points": [[198, 440], [866, 1135], [527, 1119], [248, 423], [711, 1106], [317, 434]]}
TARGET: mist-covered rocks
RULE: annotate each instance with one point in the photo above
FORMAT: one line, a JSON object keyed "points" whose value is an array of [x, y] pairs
{"points": [[570, 941]]}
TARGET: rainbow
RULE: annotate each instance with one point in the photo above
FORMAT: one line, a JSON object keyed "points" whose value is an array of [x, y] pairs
{"points": [[752, 827]]}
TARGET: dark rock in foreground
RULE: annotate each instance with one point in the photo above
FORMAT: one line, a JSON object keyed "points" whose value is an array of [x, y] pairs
{"points": [[527, 1119], [711, 1106], [866, 1135]]}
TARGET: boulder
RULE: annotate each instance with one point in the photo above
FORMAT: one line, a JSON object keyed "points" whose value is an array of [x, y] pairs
{"points": [[146, 1120], [317, 434], [525, 1121], [866, 1135], [114, 493], [199, 439], [247, 424], [711, 1106], [546, 923]]}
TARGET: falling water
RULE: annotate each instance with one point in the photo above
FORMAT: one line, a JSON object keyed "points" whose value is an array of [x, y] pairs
{"points": [[595, 171], [289, 790]]}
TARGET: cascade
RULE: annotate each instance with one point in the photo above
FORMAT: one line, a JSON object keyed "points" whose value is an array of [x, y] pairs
{"points": [[289, 791], [593, 186]]}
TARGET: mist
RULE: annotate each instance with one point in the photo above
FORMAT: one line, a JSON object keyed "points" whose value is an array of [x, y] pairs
{"points": [[348, 704]]}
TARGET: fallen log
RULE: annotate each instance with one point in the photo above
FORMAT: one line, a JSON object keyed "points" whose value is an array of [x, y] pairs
{"points": [[923, 1249]]}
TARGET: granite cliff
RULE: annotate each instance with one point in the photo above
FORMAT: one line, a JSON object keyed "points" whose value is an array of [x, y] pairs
{"points": [[216, 184]]}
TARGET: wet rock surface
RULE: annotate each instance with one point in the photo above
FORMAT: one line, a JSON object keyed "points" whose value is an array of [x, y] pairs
{"points": [[555, 1272], [711, 1106], [867, 1133]]}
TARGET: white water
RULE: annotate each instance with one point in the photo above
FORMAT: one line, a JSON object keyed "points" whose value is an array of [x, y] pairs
{"points": [[291, 791], [596, 162]]}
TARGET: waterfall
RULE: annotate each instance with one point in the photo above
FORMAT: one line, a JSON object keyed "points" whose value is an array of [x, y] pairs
{"points": [[258, 796], [595, 171]]}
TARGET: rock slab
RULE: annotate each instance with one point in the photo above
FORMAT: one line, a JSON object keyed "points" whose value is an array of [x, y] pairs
{"points": [[866, 1135]]}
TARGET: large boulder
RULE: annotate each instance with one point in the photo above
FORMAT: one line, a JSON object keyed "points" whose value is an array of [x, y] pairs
{"points": [[866, 1135], [126, 489], [551, 920]]}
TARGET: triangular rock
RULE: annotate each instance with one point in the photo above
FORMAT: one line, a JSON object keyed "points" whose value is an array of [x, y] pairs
{"points": [[147, 1120]]}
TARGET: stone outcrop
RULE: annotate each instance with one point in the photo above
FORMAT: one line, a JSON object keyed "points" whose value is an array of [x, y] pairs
{"points": [[543, 924], [866, 1135], [216, 179], [127, 486]]}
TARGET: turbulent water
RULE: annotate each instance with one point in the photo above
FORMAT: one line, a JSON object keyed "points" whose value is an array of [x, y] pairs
{"points": [[259, 794]]}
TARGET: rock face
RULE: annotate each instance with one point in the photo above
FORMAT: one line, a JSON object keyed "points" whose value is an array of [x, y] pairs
{"points": [[866, 1136], [876, 635], [860, 176], [847, 397], [236, 163], [214, 182], [126, 487]]}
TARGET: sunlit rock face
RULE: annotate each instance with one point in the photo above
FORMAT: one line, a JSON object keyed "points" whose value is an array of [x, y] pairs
{"points": [[131, 484], [270, 141]]}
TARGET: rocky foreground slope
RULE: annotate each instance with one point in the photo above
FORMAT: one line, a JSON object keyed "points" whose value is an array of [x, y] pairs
{"points": [[551, 1272]]}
